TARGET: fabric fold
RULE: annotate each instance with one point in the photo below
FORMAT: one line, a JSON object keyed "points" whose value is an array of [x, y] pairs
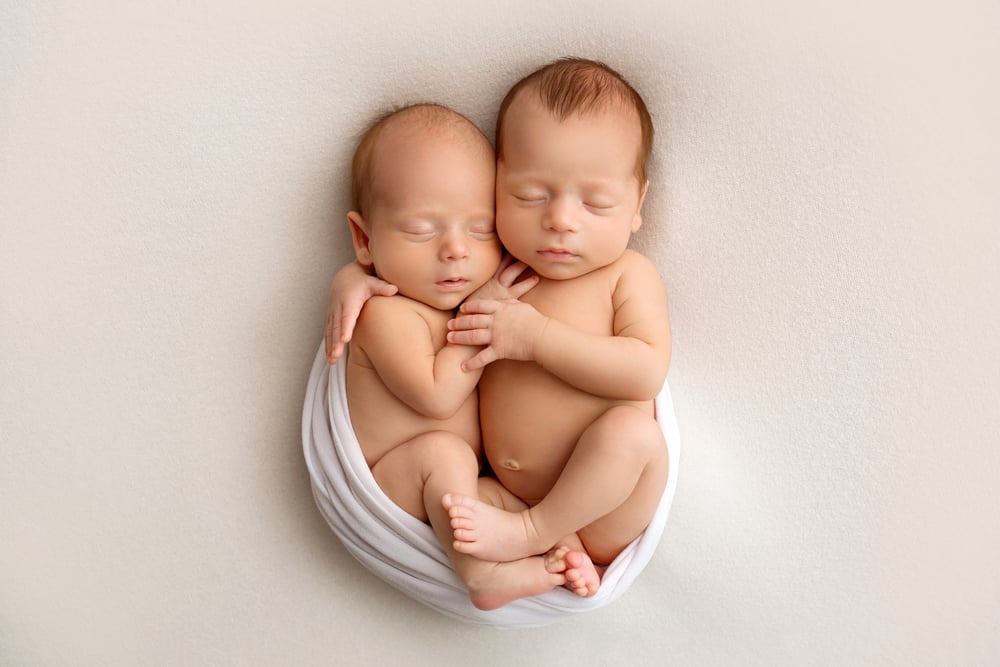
{"points": [[404, 551]]}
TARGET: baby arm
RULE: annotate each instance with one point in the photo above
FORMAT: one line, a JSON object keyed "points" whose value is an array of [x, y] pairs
{"points": [[350, 289], [631, 364], [399, 344]]}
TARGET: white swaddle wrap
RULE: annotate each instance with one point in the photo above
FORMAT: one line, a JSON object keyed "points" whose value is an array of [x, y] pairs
{"points": [[405, 552]]}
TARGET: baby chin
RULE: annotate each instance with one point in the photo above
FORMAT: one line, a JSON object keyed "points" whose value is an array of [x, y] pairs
{"points": [[448, 294]]}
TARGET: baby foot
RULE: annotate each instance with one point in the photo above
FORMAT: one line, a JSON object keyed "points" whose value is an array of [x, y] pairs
{"points": [[581, 575], [490, 533], [493, 585]]}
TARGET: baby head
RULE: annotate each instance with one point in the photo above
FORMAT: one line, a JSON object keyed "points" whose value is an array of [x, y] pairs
{"points": [[422, 186], [573, 142]]}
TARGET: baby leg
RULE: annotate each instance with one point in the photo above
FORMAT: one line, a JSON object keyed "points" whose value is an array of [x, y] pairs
{"points": [[646, 452], [616, 473], [405, 472], [416, 474]]}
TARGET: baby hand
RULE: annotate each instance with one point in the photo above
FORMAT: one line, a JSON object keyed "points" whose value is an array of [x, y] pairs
{"points": [[350, 289], [502, 286], [507, 329]]}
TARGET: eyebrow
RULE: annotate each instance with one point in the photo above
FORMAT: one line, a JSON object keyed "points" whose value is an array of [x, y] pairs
{"points": [[524, 177], [434, 213]]}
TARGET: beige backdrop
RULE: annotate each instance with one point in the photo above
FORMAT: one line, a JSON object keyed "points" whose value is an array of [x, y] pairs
{"points": [[825, 211]]}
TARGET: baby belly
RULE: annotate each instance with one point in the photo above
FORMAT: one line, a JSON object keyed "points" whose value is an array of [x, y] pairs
{"points": [[531, 422]]}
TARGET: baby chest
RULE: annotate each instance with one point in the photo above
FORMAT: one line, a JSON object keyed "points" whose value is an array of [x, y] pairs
{"points": [[583, 303]]}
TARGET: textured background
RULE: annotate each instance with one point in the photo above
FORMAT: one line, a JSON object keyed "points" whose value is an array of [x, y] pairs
{"points": [[824, 209]]}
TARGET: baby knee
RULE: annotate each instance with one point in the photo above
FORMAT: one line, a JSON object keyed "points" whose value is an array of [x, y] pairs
{"points": [[443, 445], [630, 429]]}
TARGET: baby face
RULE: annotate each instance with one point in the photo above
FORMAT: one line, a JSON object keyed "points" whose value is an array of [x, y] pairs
{"points": [[567, 195], [431, 224]]}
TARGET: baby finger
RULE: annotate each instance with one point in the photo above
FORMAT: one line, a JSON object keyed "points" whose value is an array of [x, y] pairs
{"points": [[473, 337], [470, 322]]}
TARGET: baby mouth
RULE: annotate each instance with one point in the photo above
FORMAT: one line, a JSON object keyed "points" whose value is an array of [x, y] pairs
{"points": [[453, 283], [557, 255]]}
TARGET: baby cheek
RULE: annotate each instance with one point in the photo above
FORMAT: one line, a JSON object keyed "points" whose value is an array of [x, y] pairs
{"points": [[489, 256], [507, 228]]}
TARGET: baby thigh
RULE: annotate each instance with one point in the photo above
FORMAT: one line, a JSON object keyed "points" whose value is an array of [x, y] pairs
{"points": [[424, 468], [639, 446], [493, 492]]}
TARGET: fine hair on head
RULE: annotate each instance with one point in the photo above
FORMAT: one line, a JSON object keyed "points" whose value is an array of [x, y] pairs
{"points": [[577, 86], [423, 118]]}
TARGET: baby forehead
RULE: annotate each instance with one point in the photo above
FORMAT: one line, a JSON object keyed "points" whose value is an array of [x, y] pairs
{"points": [[428, 154], [410, 159], [531, 109], [539, 131], [413, 141]]}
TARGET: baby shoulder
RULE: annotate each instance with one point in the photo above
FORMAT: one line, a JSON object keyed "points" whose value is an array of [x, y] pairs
{"points": [[635, 269], [635, 261], [378, 307], [389, 313]]}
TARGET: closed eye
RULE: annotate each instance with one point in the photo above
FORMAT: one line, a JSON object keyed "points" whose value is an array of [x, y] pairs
{"points": [[529, 198], [601, 197], [419, 231], [483, 231]]}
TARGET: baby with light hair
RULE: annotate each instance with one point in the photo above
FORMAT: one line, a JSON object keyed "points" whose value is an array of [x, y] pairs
{"points": [[423, 219], [570, 368]]}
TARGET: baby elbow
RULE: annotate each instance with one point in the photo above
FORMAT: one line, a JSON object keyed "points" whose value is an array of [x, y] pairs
{"points": [[649, 386], [646, 392], [439, 411], [649, 373], [636, 390]]}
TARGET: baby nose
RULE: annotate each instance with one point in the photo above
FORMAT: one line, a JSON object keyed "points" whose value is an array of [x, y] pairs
{"points": [[559, 215], [454, 245]]}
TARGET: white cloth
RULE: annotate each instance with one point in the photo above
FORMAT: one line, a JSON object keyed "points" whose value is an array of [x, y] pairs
{"points": [[405, 552]]}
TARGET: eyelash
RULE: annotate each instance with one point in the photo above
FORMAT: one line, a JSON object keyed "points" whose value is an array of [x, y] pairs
{"points": [[538, 200], [429, 234]]}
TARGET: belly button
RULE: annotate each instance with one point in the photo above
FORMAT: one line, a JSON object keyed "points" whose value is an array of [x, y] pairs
{"points": [[511, 464]]}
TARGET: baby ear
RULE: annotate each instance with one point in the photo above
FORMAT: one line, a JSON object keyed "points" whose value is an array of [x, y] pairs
{"points": [[361, 238], [637, 220]]}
